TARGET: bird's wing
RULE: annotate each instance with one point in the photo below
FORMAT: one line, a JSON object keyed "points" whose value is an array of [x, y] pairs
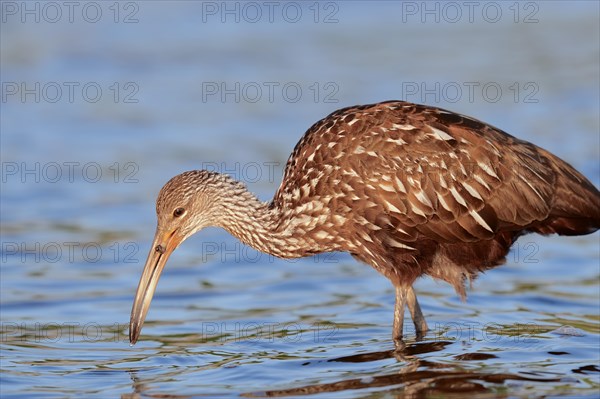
{"points": [[452, 178], [431, 172]]}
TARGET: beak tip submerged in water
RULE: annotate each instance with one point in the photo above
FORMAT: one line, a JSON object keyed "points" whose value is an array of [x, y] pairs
{"points": [[149, 279], [137, 320], [133, 335]]}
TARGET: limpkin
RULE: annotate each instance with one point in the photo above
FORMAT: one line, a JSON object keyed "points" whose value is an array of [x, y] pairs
{"points": [[409, 189]]}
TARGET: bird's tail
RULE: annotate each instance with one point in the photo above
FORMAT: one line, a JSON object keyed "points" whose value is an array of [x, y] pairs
{"points": [[576, 208]]}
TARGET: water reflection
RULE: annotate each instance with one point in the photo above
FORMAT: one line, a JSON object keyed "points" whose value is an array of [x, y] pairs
{"points": [[417, 377], [412, 383]]}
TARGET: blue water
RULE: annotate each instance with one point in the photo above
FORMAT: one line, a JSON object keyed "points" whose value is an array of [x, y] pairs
{"points": [[99, 110]]}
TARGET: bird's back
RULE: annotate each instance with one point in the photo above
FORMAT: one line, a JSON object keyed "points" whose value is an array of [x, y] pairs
{"points": [[412, 189]]}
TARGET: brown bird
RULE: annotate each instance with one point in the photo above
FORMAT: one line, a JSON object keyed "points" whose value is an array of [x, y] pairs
{"points": [[409, 189]]}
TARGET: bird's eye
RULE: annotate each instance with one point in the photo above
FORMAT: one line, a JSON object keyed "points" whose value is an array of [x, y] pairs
{"points": [[178, 212]]}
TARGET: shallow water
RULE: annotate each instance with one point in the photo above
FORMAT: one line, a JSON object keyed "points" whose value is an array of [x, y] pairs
{"points": [[79, 179]]}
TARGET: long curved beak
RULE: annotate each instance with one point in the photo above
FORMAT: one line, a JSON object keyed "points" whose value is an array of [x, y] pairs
{"points": [[162, 247]]}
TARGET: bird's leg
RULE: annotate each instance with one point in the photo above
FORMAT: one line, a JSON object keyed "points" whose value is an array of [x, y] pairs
{"points": [[415, 312], [405, 296], [399, 313]]}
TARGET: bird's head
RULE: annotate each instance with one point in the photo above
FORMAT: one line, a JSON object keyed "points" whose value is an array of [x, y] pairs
{"points": [[188, 203]]}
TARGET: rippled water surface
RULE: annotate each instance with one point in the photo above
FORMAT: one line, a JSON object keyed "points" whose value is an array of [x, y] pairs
{"points": [[162, 87]]}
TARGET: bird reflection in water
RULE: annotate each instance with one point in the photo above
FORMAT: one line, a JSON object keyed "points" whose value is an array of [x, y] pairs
{"points": [[417, 377]]}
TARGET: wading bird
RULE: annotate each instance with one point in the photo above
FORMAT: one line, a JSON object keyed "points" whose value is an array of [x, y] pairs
{"points": [[409, 189]]}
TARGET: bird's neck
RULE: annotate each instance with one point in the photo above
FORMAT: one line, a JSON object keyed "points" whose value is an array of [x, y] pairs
{"points": [[264, 227]]}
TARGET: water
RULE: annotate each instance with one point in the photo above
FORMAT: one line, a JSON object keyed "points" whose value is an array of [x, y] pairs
{"points": [[226, 320]]}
